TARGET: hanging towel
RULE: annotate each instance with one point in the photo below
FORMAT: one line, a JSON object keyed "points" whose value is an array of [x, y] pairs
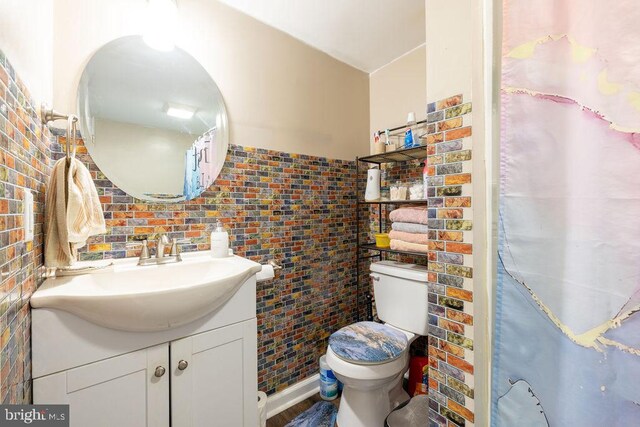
{"points": [[408, 227], [421, 239], [413, 215], [73, 212], [399, 245]]}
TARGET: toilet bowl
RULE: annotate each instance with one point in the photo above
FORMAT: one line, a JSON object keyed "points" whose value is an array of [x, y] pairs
{"points": [[371, 390], [369, 358]]}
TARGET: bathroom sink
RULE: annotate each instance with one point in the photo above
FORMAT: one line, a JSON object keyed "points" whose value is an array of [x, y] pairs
{"points": [[129, 297]]}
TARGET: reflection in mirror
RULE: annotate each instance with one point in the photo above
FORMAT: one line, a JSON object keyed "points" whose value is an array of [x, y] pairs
{"points": [[154, 122]]}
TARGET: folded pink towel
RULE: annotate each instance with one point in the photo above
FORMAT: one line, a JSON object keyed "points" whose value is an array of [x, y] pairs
{"points": [[413, 215], [421, 239], [399, 245]]}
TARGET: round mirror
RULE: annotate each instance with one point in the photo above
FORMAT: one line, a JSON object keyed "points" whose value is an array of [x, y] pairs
{"points": [[154, 122]]}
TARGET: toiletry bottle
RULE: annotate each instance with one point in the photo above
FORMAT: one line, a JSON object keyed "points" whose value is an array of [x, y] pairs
{"points": [[408, 138], [219, 242], [408, 134]]}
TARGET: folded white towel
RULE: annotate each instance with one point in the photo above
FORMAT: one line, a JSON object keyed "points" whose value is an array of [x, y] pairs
{"points": [[72, 212]]}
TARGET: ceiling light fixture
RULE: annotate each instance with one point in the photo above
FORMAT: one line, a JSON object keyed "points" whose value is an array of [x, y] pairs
{"points": [[160, 26]]}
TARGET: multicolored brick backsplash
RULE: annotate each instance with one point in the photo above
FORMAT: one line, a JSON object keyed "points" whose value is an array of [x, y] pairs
{"points": [[24, 166], [296, 209], [450, 341]]}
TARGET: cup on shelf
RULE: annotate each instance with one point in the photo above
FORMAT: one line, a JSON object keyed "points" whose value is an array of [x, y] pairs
{"points": [[379, 147], [390, 147], [382, 240]]}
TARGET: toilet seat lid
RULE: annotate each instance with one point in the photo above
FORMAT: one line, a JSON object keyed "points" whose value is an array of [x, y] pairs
{"points": [[368, 343]]}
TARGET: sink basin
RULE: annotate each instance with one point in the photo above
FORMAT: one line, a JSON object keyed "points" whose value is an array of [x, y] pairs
{"points": [[129, 297]]}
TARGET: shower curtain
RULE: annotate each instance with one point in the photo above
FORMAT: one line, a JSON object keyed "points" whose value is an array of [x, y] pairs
{"points": [[567, 327]]}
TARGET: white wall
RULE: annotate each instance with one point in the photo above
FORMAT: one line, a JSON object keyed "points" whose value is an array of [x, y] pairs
{"points": [[280, 93], [138, 155], [449, 25], [25, 38], [396, 89]]}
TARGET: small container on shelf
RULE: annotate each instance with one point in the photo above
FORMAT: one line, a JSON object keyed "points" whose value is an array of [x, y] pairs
{"points": [[378, 145], [416, 191], [398, 192], [379, 148], [391, 146], [382, 240]]}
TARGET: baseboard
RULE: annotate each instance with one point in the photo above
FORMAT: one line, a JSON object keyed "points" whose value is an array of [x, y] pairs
{"points": [[291, 395]]}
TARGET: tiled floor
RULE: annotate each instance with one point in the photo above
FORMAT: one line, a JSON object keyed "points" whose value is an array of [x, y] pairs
{"points": [[285, 416]]}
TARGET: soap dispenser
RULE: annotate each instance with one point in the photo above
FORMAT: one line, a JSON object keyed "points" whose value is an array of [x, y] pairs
{"points": [[219, 241]]}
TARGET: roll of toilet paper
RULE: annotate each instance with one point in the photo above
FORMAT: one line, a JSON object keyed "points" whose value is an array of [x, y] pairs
{"points": [[266, 273], [262, 409]]}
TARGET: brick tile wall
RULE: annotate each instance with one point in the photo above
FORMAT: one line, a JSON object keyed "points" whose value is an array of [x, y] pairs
{"points": [[296, 209], [24, 166], [450, 341]]}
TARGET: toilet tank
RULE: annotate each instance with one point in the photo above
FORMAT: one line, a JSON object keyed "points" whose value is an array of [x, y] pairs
{"points": [[401, 295]]}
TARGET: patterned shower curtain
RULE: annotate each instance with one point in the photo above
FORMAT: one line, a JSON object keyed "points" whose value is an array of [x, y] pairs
{"points": [[567, 327]]}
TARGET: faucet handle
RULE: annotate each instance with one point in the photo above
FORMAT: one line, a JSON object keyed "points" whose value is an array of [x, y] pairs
{"points": [[144, 253], [174, 245]]}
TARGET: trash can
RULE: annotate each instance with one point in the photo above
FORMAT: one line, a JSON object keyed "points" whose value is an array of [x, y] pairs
{"points": [[413, 413]]}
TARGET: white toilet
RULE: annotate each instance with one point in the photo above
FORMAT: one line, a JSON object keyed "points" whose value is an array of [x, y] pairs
{"points": [[371, 358]]}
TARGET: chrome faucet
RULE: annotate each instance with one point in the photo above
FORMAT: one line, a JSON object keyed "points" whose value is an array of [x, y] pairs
{"points": [[161, 243]]}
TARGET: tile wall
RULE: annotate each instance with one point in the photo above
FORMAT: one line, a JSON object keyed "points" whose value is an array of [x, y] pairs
{"points": [[450, 341], [24, 166], [296, 209]]}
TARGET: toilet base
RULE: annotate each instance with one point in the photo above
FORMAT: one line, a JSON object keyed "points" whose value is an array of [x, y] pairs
{"points": [[398, 395], [363, 408]]}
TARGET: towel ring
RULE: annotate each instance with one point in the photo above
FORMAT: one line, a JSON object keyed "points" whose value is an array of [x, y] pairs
{"points": [[47, 115], [71, 136]]}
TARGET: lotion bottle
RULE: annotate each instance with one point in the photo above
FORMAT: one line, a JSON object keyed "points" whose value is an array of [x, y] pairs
{"points": [[219, 241]]}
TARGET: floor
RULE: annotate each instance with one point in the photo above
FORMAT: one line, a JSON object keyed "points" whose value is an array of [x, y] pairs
{"points": [[287, 415]]}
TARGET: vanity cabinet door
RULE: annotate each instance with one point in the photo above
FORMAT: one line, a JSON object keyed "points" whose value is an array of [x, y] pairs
{"points": [[214, 378], [123, 391]]}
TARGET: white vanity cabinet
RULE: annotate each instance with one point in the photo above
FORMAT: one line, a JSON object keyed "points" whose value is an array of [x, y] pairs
{"points": [[121, 391], [203, 374], [218, 379]]}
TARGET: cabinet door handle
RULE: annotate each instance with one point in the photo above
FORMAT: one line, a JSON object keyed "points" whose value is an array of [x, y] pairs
{"points": [[182, 365], [159, 371]]}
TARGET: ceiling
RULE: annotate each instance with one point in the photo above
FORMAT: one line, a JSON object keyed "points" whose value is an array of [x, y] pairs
{"points": [[366, 34]]}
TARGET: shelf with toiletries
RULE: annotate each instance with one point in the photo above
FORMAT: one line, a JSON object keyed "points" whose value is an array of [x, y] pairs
{"points": [[397, 156], [395, 180], [400, 138]]}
